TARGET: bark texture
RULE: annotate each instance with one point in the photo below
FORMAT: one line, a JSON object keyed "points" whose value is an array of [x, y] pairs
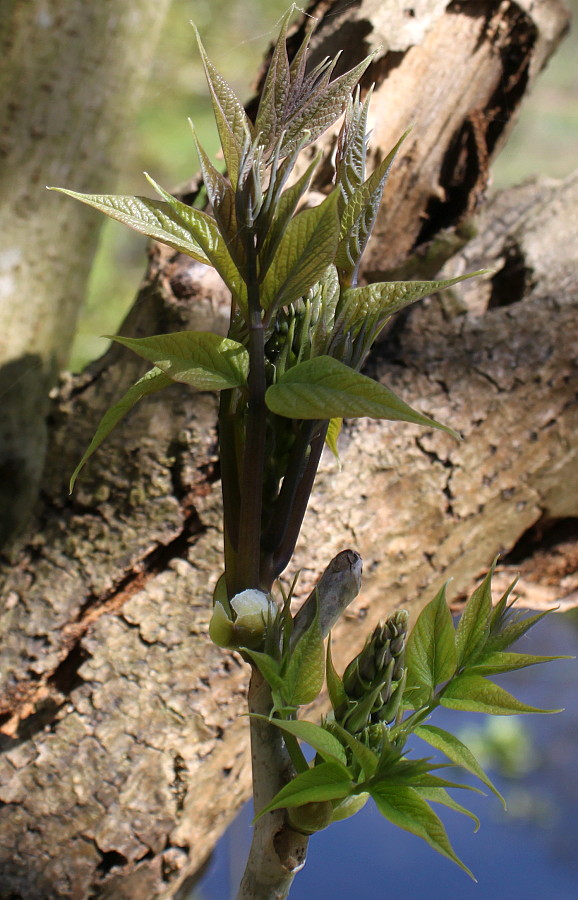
{"points": [[71, 75], [124, 754]]}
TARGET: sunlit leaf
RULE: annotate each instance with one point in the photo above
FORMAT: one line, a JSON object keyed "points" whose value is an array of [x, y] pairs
{"points": [[153, 218], [473, 693], [440, 795], [324, 388], [206, 361], [317, 737], [430, 654], [303, 678], [455, 750], [268, 667], [404, 807], [304, 252], [495, 663], [207, 233], [333, 432], [474, 625], [382, 299], [335, 687], [327, 781], [153, 381]]}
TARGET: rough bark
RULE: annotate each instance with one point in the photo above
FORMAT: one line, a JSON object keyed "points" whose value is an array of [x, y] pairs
{"points": [[71, 75], [124, 754]]}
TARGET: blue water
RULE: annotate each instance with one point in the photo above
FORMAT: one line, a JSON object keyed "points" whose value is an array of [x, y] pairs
{"points": [[529, 853]]}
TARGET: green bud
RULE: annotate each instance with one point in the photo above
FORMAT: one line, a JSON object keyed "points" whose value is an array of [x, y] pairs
{"points": [[310, 817], [371, 680], [252, 612]]}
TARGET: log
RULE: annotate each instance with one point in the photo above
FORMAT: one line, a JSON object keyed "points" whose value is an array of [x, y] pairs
{"points": [[124, 754]]}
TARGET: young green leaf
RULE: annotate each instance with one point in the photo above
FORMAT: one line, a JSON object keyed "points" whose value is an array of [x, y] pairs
{"points": [[430, 654], [333, 432], [205, 230], [317, 737], [364, 756], [206, 361], [305, 671], [222, 199], [324, 388], [455, 750], [304, 252], [335, 687], [404, 807], [495, 663], [473, 693], [280, 215], [327, 781], [474, 625], [150, 217], [382, 299], [153, 381], [268, 667], [233, 124], [511, 629], [440, 795], [270, 118], [321, 108], [360, 212]]}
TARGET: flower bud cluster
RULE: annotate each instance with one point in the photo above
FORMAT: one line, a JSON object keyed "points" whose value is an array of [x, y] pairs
{"points": [[374, 680]]}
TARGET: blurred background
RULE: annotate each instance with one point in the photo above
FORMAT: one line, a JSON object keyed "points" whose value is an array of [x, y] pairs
{"points": [[529, 852]]}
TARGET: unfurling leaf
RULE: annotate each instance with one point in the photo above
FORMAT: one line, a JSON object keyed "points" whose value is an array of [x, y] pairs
{"points": [[305, 671], [153, 381], [474, 625], [430, 654], [473, 693], [233, 124], [324, 388], [206, 361], [360, 212]]}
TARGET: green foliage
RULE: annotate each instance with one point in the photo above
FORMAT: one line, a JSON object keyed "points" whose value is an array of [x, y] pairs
{"points": [[288, 373], [438, 665]]}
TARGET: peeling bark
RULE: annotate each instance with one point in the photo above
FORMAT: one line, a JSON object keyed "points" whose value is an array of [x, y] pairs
{"points": [[124, 756]]}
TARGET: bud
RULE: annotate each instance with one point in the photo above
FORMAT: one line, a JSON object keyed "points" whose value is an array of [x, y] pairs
{"points": [[253, 611], [373, 681], [310, 817]]}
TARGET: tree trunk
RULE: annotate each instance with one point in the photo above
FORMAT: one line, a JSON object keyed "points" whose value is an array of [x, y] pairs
{"points": [[71, 75], [124, 754]]}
